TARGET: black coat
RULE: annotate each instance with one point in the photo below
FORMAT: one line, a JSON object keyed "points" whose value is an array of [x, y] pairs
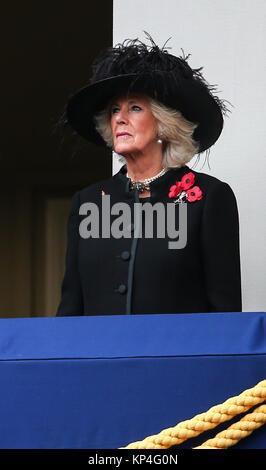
{"points": [[130, 275]]}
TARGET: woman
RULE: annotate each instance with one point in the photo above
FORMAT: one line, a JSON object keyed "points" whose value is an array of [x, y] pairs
{"points": [[156, 113]]}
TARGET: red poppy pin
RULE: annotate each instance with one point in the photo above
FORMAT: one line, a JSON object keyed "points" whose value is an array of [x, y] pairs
{"points": [[184, 189]]}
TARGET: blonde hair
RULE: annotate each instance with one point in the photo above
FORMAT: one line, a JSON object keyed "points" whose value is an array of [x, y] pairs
{"points": [[178, 144]]}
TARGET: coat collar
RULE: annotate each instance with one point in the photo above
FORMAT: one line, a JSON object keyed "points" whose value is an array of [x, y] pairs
{"points": [[159, 188]]}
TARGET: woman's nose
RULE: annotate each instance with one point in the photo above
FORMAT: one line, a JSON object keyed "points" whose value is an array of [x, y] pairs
{"points": [[122, 117]]}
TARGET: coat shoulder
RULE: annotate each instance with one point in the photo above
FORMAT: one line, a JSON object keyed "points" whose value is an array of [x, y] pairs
{"points": [[207, 180], [212, 184], [95, 189]]}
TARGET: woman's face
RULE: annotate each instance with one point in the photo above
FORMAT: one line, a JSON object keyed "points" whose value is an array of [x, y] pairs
{"points": [[134, 128]]}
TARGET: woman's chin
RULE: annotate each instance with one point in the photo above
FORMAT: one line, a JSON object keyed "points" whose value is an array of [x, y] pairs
{"points": [[124, 149]]}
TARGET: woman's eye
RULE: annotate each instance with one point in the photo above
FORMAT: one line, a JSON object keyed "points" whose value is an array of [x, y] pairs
{"points": [[134, 107], [115, 110]]}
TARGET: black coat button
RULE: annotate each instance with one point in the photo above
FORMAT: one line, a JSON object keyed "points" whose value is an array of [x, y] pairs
{"points": [[122, 289], [125, 255]]}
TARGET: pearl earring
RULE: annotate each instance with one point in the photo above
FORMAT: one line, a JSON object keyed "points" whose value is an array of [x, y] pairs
{"points": [[159, 140]]}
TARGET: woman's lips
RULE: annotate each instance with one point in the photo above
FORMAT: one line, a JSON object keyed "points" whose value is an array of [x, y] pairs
{"points": [[122, 134]]}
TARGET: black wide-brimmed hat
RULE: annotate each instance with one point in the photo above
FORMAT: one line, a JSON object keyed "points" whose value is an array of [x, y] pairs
{"points": [[136, 67]]}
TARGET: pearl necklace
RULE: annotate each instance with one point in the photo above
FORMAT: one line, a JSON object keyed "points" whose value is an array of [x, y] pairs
{"points": [[145, 184]]}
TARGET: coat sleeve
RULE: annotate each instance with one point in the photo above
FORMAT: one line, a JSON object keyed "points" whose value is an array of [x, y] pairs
{"points": [[220, 249], [71, 292]]}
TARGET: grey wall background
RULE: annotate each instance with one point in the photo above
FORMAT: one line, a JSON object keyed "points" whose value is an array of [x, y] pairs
{"points": [[228, 39]]}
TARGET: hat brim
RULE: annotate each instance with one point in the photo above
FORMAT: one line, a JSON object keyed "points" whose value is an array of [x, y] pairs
{"points": [[187, 95]]}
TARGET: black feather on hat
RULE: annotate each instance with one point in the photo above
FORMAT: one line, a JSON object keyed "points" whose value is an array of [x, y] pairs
{"points": [[136, 67]]}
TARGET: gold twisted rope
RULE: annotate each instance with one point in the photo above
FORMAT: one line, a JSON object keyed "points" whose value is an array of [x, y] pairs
{"points": [[237, 431], [209, 420]]}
